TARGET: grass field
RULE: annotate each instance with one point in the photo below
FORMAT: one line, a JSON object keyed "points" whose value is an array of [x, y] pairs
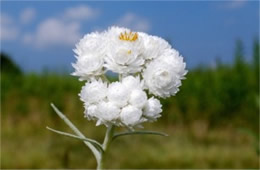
{"points": [[27, 144]]}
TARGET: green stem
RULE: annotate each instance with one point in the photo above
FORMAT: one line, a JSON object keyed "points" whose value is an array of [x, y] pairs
{"points": [[105, 78], [107, 141]]}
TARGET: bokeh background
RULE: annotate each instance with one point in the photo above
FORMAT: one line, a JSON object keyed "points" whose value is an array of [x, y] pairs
{"points": [[213, 122]]}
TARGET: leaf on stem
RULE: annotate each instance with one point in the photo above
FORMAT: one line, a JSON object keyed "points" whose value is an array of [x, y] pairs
{"points": [[95, 143], [139, 133], [93, 148]]}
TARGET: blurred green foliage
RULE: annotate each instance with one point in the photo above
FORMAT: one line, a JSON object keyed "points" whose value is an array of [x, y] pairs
{"points": [[8, 66], [221, 95], [204, 119]]}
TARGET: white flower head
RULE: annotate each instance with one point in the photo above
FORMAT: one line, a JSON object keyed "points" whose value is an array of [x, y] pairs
{"points": [[153, 108], [144, 62], [93, 92], [163, 75], [124, 52], [130, 115], [90, 52]]}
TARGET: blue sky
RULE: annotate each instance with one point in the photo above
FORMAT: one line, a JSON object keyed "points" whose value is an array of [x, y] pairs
{"points": [[41, 35]]}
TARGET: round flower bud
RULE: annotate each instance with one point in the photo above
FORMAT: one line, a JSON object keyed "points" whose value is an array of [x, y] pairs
{"points": [[130, 115], [93, 92], [153, 108], [118, 94], [131, 82], [90, 111], [138, 98], [107, 111]]}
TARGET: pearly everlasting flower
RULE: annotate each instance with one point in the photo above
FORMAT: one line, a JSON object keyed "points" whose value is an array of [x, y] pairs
{"points": [[90, 52], [88, 66], [118, 94], [93, 92], [163, 75], [153, 108], [145, 63], [130, 115], [124, 52]]}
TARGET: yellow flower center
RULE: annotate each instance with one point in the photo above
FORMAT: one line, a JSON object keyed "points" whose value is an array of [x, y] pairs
{"points": [[128, 36]]}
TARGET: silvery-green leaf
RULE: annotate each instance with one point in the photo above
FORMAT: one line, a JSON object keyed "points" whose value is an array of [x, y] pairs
{"points": [[95, 143], [95, 151], [139, 133]]}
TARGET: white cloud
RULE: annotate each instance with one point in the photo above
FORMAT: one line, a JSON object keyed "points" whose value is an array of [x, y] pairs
{"points": [[134, 22], [235, 4], [54, 32], [63, 29], [27, 15], [81, 12], [8, 30]]}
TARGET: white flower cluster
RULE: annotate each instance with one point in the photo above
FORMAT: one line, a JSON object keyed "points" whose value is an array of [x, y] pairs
{"points": [[145, 63]]}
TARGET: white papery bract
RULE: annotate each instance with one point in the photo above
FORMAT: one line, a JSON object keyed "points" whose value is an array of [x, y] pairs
{"points": [[154, 46], [144, 64]]}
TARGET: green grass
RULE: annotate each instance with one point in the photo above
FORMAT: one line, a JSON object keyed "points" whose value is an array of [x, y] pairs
{"points": [[24, 146], [26, 143]]}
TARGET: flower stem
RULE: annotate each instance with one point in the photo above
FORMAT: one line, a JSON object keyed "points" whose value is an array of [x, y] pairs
{"points": [[107, 141]]}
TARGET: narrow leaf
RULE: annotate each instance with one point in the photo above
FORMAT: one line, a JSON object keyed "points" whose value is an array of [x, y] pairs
{"points": [[77, 137], [139, 133], [77, 132]]}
